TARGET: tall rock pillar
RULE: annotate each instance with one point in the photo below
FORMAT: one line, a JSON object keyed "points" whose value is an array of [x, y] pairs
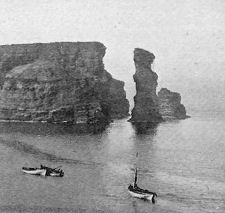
{"points": [[145, 101]]}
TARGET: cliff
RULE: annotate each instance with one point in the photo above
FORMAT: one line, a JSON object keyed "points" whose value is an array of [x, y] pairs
{"points": [[170, 106], [59, 82], [146, 101]]}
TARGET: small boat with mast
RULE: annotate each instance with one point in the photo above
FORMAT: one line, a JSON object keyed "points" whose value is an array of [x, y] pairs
{"points": [[138, 192]]}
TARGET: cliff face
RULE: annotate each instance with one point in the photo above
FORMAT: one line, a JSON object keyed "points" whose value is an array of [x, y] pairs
{"points": [[170, 106], [117, 98], [59, 82], [146, 101]]}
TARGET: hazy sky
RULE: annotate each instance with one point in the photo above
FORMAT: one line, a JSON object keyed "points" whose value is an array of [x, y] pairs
{"points": [[186, 36]]}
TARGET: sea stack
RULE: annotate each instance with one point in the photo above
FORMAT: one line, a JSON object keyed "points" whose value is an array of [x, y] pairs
{"points": [[59, 82], [170, 106], [145, 101]]}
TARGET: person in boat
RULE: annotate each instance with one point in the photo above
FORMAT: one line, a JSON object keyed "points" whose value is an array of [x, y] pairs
{"points": [[135, 185], [48, 170]]}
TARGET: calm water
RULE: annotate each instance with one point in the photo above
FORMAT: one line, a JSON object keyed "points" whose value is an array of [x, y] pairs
{"points": [[183, 161]]}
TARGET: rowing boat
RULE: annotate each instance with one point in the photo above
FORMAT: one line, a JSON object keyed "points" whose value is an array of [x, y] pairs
{"points": [[44, 171]]}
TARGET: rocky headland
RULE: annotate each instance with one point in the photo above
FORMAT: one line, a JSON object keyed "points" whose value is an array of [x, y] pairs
{"points": [[170, 106], [59, 82], [145, 101]]}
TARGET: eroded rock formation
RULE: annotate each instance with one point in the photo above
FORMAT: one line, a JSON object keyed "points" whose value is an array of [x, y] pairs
{"points": [[59, 82], [146, 101], [170, 106]]}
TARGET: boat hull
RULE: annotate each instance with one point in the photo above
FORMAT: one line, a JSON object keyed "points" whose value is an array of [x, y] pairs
{"points": [[141, 195], [137, 192], [41, 172], [58, 174]]}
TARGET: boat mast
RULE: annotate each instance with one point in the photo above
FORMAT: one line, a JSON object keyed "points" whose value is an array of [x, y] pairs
{"points": [[135, 178]]}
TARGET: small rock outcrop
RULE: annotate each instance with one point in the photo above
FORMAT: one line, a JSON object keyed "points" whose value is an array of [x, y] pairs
{"points": [[59, 82], [146, 101], [170, 106]]}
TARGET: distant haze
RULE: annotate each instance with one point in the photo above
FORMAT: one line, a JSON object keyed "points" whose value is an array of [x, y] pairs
{"points": [[187, 37]]}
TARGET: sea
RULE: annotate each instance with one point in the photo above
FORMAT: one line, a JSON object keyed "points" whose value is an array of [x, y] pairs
{"points": [[182, 161]]}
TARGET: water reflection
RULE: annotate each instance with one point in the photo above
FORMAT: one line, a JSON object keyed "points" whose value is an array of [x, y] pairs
{"points": [[50, 129], [64, 129], [135, 207], [145, 128]]}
